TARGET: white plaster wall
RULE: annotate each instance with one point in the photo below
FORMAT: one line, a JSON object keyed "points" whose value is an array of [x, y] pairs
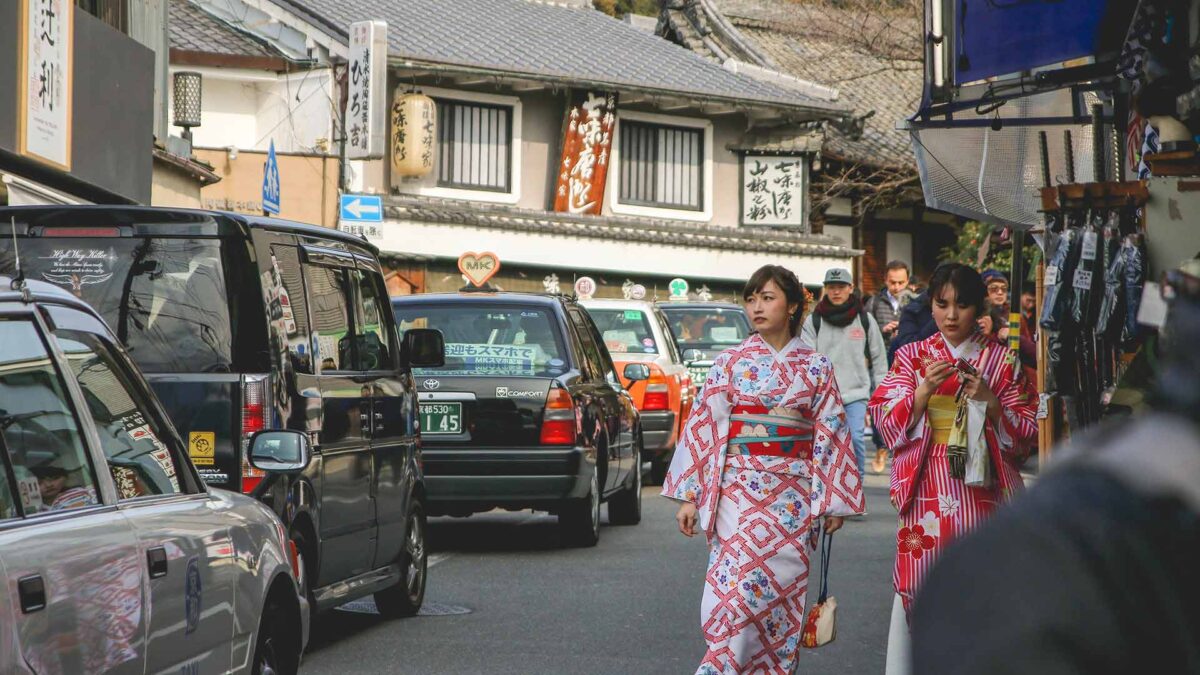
{"points": [[451, 241], [249, 108]]}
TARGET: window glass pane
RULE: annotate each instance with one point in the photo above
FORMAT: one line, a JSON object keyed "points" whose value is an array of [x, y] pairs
{"points": [[139, 460], [625, 330], [292, 306], [474, 146], [372, 337], [661, 166], [487, 339], [591, 348], [708, 329], [328, 293], [41, 434], [165, 297]]}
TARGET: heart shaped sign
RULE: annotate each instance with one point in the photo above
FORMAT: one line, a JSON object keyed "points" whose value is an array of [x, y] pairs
{"points": [[479, 267]]}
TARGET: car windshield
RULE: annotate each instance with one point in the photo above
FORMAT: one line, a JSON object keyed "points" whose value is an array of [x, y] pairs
{"points": [[625, 331], [488, 339], [707, 328], [165, 297]]}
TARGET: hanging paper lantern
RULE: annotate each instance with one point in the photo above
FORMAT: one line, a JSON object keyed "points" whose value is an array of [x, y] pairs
{"points": [[414, 134]]}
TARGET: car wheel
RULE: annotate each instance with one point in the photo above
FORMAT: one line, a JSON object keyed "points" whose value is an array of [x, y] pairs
{"points": [[626, 507], [406, 597], [304, 580], [579, 519], [271, 649]]}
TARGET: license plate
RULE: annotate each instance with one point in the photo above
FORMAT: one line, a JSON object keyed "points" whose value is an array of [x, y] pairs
{"points": [[441, 418], [699, 375]]}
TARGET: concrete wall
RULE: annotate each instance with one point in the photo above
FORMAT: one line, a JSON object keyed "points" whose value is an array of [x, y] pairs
{"points": [[308, 184], [173, 187]]}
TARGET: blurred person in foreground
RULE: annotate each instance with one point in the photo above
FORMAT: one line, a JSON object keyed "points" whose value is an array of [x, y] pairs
{"points": [[915, 409], [1095, 570], [764, 463]]}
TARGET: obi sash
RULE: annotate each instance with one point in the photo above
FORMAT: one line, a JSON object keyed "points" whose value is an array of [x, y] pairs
{"points": [[942, 410], [754, 431]]}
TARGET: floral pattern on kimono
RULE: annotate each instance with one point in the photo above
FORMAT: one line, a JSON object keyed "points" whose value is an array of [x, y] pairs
{"points": [[761, 512], [935, 508]]}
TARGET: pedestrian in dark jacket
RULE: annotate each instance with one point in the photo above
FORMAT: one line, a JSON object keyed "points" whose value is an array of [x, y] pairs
{"points": [[885, 305], [916, 323]]}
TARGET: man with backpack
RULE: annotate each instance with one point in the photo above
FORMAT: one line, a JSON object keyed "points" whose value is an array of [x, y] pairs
{"points": [[839, 328]]}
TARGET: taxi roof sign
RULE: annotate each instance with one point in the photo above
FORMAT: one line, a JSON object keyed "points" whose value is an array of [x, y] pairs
{"points": [[478, 268], [679, 290]]}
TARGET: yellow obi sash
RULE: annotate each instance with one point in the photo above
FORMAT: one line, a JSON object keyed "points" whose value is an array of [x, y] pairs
{"points": [[942, 410]]}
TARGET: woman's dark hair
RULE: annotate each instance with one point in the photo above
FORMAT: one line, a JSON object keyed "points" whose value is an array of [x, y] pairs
{"points": [[787, 282], [966, 282]]}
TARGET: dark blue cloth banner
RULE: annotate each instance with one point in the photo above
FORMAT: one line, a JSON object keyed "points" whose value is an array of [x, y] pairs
{"points": [[999, 37]]}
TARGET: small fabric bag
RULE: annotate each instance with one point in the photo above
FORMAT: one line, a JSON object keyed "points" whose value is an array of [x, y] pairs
{"points": [[979, 461], [820, 626]]}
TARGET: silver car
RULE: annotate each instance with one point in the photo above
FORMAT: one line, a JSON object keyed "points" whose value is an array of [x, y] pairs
{"points": [[114, 555]]}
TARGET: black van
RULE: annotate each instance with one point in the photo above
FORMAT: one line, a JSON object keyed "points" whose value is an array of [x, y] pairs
{"points": [[243, 324]]}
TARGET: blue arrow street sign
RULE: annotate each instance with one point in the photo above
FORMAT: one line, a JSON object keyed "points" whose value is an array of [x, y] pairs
{"points": [[270, 188], [362, 209]]}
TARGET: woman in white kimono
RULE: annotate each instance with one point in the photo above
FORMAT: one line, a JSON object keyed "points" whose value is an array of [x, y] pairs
{"points": [[764, 455]]}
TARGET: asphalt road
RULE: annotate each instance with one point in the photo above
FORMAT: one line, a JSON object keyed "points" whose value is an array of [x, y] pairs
{"points": [[629, 605]]}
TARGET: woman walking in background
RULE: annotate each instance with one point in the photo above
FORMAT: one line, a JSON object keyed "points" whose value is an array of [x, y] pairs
{"points": [[765, 456], [914, 410]]}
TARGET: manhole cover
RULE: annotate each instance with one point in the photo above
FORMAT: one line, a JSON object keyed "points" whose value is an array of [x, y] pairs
{"points": [[367, 606]]}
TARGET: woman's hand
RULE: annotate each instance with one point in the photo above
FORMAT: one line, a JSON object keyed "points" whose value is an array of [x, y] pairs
{"points": [[935, 375], [687, 516], [833, 523], [976, 388]]}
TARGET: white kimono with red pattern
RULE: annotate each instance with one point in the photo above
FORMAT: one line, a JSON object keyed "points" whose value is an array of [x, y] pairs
{"points": [[760, 511], [935, 509]]}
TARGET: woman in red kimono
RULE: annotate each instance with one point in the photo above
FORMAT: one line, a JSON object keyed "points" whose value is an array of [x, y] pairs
{"points": [[764, 460], [914, 409]]}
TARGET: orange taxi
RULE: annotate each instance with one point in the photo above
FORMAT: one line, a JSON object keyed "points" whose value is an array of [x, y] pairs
{"points": [[636, 331]]}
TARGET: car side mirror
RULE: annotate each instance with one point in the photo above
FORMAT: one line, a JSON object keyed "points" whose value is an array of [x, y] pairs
{"points": [[423, 348], [636, 372], [280, 451], [690, 355]]}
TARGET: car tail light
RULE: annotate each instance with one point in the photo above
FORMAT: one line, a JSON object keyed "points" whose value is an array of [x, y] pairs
{"points": [[559, 424], [81, 232], [657, 396], [254, 420]]}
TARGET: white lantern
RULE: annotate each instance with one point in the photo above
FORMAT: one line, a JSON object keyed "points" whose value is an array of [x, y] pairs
{"points": [[414, 134]]}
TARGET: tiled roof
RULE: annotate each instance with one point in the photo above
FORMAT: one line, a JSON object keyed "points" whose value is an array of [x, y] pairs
{"points": [[194, 30], [573, 45], [802, 40], [624, 228]]}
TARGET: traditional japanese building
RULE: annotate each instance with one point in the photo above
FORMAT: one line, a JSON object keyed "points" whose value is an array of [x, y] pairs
{"points": [[570, 143], [866, 191]]}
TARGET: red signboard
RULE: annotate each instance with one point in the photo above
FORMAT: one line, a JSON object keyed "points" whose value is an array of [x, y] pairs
{"points": [[587, 146]]}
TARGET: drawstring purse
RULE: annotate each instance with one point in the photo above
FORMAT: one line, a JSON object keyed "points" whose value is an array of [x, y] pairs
{"points": [[820, 626]]}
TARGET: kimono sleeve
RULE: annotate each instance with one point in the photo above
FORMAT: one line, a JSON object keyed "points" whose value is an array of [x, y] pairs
{"points": [[704, 435], [1018, 412], [836, 483], [891, 407]]}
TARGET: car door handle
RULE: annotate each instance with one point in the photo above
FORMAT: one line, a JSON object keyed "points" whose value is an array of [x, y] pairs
{"points": [[32, 590], [156, 558]]}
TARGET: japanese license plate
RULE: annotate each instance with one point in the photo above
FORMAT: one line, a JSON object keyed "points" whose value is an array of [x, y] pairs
{"points": [[441, 418]]}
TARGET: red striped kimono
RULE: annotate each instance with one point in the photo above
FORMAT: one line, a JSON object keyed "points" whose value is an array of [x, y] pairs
{"points": [[765, 453], [936, 509]]}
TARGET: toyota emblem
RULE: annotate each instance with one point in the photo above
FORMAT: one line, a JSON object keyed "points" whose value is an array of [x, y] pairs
{"points": [[431, 384]]}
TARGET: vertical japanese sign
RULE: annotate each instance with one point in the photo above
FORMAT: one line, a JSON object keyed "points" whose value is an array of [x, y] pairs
{"points": [[587, 146], [44, 113], [773, 190], [366, 79]]}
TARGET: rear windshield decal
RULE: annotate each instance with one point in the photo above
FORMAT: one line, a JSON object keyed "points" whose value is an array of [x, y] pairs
{"points": [[78, 267]]}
